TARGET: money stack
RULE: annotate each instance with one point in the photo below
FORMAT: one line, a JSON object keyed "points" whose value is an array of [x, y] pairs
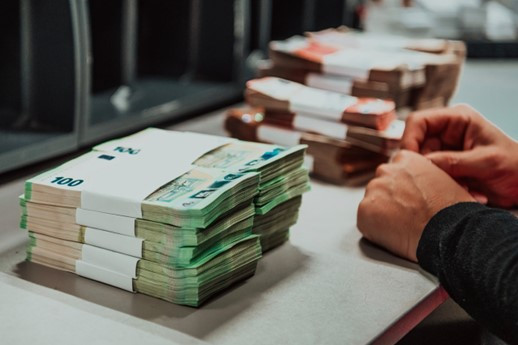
{"points": [[129, 215], [329, 158], [283, 181], [291, 113], [414, 73]]}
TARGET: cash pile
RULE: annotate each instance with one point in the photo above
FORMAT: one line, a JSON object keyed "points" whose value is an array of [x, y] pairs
{"points": [[167, 214], [329, 156], [414, 73], [347, 136], [283, 181]]}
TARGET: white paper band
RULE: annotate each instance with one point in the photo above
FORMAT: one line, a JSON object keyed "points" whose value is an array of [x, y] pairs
{"points": [[122, 189], [304, 122], [105, 221], [309, 162], [154, 158], [277, 135], [103, 275], [290, 45], [154, 141], [330, 82], [277, 88], [116, 242], [321, 103], [347, 64], [109, 260]]}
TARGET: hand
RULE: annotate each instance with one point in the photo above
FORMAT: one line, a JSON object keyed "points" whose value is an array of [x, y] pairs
{"points": [[402, 198], [470, 149]]}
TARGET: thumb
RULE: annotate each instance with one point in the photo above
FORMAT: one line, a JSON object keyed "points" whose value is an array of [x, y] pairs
{"points": [[468, 163]]}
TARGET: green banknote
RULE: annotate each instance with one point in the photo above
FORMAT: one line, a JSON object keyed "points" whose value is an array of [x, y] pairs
{"points": [[60, 222], [190, 285], [157, 246]]}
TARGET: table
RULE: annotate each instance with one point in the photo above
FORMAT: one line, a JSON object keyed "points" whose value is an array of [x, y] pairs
{"points": [[326, 285]]}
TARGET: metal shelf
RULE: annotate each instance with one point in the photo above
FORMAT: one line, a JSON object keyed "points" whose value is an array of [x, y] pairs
{"points": [[153, 61], [38, 88], [154, 101]]}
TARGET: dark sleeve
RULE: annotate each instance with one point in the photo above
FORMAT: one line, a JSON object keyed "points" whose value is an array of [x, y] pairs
{"points": [[473, 250]]}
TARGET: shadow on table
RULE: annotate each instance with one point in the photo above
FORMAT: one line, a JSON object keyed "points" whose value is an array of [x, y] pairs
{"points": [[275, 266], [449, 325], [377, 253]]}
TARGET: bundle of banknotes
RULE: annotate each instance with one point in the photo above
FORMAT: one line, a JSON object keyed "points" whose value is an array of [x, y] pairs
{"points": [[175, 215], [332, 154], [341, 92], [414, 73]]}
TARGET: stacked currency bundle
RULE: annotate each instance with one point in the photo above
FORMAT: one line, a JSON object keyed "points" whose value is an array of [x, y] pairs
{"points": [[133, 215], [347, 136], [415, 74], [282, 177], [330, 156], [283, 181], [286, 100]]}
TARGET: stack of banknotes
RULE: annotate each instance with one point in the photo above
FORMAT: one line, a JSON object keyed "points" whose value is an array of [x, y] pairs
{"points": [[330, 155], [414, 73], [347, 136], [175, 215], [343, 93]]}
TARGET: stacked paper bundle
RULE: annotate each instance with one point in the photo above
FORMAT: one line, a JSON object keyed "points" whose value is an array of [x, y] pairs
{"points": [[414, 73], [347, 137], [331, 159], [168, 214], [283, 180]]}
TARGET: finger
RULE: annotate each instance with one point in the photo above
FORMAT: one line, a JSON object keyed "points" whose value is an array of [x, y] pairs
{"points": [[472, 163], [404, 155], [448, 124], [382, 169], [371, 187], [415, 132], [430, 145], [479, 197]]}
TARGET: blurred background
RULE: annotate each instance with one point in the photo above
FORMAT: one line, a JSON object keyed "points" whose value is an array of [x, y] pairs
{"points": [[76, 72]]}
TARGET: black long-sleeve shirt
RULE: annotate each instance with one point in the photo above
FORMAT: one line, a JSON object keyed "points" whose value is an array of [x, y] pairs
{"points": [[473, 250]]}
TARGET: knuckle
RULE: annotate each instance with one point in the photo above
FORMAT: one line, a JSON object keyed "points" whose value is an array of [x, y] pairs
{"points": [[411, 117], [381, 170], [493, 158], [462, 107], [402, 155], [373, 186], [452, 161], [466, 110]]}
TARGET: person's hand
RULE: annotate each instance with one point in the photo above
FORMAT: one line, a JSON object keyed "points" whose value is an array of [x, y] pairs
{"points": [[470, 149], [398, 203]]}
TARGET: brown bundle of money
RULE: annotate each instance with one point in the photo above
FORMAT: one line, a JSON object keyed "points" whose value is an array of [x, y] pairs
{"points": [[282, 95], [332, 159], [442, 80], [441, 60], [363, 64], [337, 83], [384, 142], [343, 35]]}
